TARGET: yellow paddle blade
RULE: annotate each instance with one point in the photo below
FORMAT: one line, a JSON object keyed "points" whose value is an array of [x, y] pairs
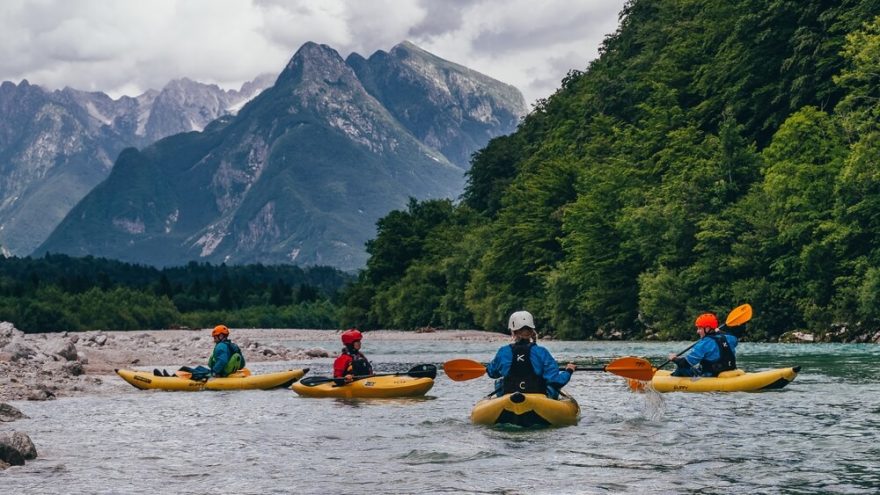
{"points": [[631, 367], [244, 372], [460, 370], [739, 315]]}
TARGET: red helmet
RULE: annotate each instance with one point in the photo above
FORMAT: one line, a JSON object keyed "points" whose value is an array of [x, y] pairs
{"points": [[351, 336], [706, 320]]}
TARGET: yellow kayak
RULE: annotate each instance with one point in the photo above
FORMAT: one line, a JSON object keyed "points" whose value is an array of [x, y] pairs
{"points": [[527, 410], [240, 380], [727, 381], [382, 386]]}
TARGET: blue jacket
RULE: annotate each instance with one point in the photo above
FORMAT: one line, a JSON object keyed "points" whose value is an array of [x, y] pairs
{"points": [[223, 352], [542, 363], [707, 349]]}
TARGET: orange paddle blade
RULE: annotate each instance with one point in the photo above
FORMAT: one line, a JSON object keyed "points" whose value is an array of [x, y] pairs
{"points": [[739, 315], [631, 367], [460, 370]]}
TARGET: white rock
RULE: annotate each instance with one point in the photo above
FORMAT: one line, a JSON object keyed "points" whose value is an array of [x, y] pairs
{"points": [[63, 348]]}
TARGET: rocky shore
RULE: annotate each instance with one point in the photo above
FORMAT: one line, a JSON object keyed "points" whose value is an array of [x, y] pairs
{"points": [[849, 334], [49, 365]]}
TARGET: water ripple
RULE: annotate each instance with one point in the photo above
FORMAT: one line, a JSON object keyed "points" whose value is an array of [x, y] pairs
{"points": [[819, 435]]}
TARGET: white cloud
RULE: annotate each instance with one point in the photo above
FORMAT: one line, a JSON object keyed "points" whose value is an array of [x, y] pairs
{"points": [[122, 46]]}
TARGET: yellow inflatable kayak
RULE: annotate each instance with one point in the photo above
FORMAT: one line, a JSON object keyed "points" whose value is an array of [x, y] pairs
{"points": [[240, 380], [727, 381], [382, 386], [527, 410]]}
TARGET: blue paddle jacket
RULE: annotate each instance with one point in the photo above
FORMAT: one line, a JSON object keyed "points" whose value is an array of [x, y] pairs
{"points": [[221, 361], [543, 364], [707, 350]]}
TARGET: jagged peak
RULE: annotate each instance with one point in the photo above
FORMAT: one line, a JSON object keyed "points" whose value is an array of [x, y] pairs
{"points": [[23, 88], [407, 45], [354, 57], [24, 84], [317, 62], [313, 52], [262, 81], [185, 83], [408, 50]]}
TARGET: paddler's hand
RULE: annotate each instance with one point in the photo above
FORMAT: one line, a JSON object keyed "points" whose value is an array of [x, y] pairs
{"points": [[349, 378], [672, 357], [570, 367]]}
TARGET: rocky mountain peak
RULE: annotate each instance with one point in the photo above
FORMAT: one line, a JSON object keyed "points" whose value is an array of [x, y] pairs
{"points": [[301, 174], [406, 48], [55, 146], [315, 64], [261, 82], [447, 106], [9, 84]]}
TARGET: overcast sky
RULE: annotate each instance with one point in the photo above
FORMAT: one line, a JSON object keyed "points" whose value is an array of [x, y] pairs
{"points": [[127, 46]]}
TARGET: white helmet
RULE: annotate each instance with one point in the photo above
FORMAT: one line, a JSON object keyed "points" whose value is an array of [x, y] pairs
{"points": [[520, 319]]}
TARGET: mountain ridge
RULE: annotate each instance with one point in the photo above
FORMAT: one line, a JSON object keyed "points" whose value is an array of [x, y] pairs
{"points": [[299, 175], [55, 146]]}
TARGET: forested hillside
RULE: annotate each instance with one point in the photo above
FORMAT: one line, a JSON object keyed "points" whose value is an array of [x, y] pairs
{"points": [[57, 292], [716, 153]]}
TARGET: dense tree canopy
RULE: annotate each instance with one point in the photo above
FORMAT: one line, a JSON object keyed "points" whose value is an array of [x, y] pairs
{"points": [[717, 152], [57, 292]]}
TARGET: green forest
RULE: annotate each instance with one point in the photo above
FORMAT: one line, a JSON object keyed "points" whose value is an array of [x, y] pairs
{"points": [[57, 292], [716, 153]]}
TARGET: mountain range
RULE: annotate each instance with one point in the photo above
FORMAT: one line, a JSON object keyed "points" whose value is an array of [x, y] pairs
{"points": [[55, 146], [302, 172]]}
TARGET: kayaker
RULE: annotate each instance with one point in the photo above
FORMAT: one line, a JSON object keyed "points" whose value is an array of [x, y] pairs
{"points": [[351, 362], [715, 352], [525, 366], [227, 357]]}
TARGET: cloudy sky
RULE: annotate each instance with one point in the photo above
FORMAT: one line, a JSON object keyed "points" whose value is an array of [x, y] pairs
{"points": [[127, 46]]}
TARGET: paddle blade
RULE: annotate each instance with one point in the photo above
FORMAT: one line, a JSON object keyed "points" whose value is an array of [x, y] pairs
{"points": [[739, 315], [311, 381], [460, 370], [423, 371], [242, 373], [631, 367]]}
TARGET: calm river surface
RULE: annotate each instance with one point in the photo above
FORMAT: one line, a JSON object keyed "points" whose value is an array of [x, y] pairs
{"points": [[821, 434]]}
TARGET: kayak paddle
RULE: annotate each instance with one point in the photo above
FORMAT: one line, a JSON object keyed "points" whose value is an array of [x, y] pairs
{"points": [[188, 375], [739, 315], [418, 371], [629, 367]]}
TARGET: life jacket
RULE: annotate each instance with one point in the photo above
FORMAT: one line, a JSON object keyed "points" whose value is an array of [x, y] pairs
{"points": [[359, 366], [236, 359], [726, 362], [521, 377]]}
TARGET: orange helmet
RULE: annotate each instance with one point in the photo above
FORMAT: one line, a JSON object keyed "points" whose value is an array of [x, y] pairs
{"points": [[706, 320], [220, 330], [351, 336]]}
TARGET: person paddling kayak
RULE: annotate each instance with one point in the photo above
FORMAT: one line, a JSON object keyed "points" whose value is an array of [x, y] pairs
{"points": [[227, 357], [714, 353], [351, 362], [525, 366]]}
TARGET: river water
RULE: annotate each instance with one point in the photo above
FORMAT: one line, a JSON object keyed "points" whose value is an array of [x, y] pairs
{"points": [[821, 434]]}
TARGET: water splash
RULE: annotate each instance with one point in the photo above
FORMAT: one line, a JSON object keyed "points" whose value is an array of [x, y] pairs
{"points": [[654, 406]]}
